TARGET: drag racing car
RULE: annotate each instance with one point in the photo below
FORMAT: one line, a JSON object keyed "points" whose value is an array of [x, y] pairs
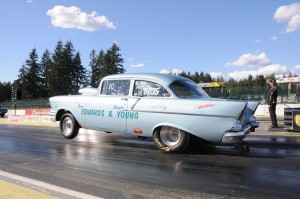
{"points": [[171, 109]]}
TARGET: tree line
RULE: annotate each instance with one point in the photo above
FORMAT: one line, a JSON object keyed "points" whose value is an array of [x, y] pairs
{"points": [[61, 72]]}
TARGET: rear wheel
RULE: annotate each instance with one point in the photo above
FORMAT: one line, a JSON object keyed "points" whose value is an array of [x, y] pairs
{"points": [[69, 127], [2, 114], [170, 139]]}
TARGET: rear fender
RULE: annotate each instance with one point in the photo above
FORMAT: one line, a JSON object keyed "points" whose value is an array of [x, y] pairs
{"points": [[249, 111]]}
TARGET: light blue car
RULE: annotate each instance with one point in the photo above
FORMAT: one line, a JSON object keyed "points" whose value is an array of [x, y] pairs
{"points": [[171, 109]]}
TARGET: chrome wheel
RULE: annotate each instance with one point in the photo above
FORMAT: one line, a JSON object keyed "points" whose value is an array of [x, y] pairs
{"points": [[170, 136], [170, 139], [67, 126]]}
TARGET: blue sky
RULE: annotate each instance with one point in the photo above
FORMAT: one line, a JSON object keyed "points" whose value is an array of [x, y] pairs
{"points": [[231, 38]]}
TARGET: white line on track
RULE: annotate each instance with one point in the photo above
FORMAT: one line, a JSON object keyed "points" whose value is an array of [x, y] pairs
{"points": [[48, 186]]}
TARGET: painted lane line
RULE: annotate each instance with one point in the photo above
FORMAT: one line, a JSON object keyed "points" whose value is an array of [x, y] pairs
{"points": [[48, 186]]}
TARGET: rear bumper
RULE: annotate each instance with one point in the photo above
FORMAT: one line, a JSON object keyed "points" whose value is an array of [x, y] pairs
{"points": [[235, 137]]}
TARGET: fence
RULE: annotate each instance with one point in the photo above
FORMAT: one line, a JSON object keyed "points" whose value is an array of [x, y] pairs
{"points": [[284, 95], [39, 103]]}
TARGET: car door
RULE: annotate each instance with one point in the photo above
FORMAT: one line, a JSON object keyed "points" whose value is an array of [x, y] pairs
{"points": [[147, 103], [109, 107]]}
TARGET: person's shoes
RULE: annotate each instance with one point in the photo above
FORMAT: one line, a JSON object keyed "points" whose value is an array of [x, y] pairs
{"points": [[274, 126]]}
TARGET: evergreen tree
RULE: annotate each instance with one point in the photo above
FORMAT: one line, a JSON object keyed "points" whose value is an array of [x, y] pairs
{"points": [[102, 70], [80, 78], [64, 78], [5, 91], [196, 77], [231, 84], [46, 66], [250, 82], [202, 77], [112, 62], [95, 71], [183, 74], [31, 77], [69, 69], [207, 78], [56, 78], [259, 82]]}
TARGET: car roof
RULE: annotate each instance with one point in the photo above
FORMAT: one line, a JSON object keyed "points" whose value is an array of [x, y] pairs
{"points": [[158, 77]]}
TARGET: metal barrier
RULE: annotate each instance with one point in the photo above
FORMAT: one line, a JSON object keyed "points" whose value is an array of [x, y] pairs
{"points": [[292, 119]]}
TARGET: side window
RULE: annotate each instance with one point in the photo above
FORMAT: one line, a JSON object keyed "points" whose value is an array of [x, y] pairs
{"points": [[146, 88], [115, 87]]}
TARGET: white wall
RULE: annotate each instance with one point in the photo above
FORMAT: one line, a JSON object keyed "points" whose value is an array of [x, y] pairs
{"points": [[263, 110]]}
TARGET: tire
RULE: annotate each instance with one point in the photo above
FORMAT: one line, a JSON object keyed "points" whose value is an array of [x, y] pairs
{"points": [[170, 139], [69, 127], [2, 114]]}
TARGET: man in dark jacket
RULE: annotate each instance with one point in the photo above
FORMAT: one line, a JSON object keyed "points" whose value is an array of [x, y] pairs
{"points": [[272, 101]]}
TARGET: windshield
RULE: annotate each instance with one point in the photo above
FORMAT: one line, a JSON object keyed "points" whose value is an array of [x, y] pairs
{"points": [[187, 89]]}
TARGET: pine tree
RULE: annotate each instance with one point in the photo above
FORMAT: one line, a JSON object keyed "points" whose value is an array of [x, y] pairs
{"points": [[5, 91], [46, 66], [80, 78], [102, 66], [113, 61], [31, 77], [56, 78], [94, 68], [68, 67]]}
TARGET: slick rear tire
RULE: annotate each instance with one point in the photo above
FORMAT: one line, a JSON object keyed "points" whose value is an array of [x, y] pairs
{"points": [[170, 139], [69, 127]]}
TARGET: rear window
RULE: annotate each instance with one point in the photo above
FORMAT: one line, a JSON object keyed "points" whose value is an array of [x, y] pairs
{"points": [[150, 89], [187, 89]]}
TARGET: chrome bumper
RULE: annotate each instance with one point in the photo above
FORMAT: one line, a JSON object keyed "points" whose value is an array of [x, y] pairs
{"points": [[52, 116], [235, 137]]}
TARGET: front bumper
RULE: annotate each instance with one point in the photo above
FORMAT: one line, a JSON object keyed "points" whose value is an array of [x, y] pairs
{"points": [[235, 137], [52, 115]]}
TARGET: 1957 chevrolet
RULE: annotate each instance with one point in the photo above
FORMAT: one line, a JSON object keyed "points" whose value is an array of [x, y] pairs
{"points": [[171, 109]]}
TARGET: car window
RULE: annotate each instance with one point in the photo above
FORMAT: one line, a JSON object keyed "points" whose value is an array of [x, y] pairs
{"points": [[147, 88], [187, 89], [115, 87]]}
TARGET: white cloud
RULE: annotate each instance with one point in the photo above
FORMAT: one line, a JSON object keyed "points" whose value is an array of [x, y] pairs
{"points": [[257, 41], [239, 75], [297, 67], [141, 65], [251, 60], [276, 69], [289, 14], [216, 75], [274, 38], [174, 71], [74, 17]]}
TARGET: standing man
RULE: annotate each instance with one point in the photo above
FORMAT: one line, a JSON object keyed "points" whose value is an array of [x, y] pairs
{"points": [[272, 101]]}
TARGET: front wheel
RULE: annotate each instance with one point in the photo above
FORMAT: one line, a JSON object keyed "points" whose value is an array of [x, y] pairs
{"points": [[69, 127], [170, 139], [2, 114]]}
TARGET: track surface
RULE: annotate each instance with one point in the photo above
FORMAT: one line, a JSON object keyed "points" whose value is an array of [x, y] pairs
{"points": [[120, 166]]}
